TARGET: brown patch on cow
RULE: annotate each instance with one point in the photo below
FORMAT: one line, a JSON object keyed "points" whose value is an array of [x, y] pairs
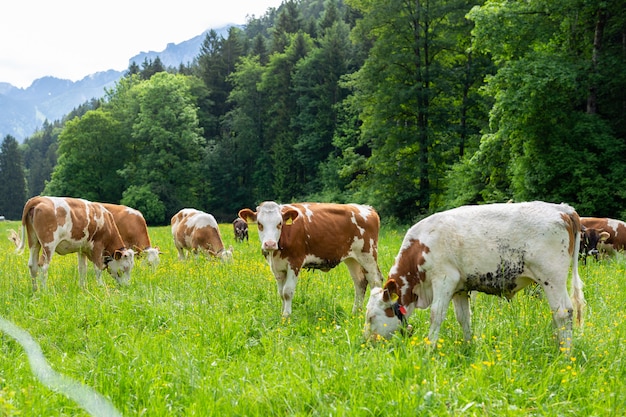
{"points": [[193, 237], [131, 225], [407, 265], [572, 224], [336, 220]]}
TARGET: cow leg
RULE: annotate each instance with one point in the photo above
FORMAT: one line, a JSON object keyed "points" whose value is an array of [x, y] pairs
{"points": [[360, 283], [443, 290], [82, 269], [286, 289], [181, 254], [562, 315], [463, 314], [33, 264]]}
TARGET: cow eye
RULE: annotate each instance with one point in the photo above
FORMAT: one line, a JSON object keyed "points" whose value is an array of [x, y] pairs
{"points": [[279, 226], [260, 227]]}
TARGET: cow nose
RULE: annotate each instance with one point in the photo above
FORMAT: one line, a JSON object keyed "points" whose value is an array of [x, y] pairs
{"points": [[270, 245]]}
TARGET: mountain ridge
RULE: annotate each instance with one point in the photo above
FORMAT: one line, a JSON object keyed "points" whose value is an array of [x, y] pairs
{"points": [[23, 110]]}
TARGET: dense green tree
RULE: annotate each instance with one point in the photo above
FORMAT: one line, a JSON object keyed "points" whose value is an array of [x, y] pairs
{"points": [[288, 22], [281, 109], [549, 119], [150, 67], [172, 147], [40, 157], [259, 48], [316, 84], [216, 61], [12, 179], [245, 180], [409, 102], [89, 159], [148, 203]]}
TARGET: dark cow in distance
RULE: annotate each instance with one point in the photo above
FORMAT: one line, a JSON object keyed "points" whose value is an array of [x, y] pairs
{"points": [[602, 235], [318, 236], [494, 248], [240, 228], [70, 225]]}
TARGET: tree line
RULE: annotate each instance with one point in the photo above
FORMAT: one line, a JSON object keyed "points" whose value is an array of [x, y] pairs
{"points": [[410, 106]]}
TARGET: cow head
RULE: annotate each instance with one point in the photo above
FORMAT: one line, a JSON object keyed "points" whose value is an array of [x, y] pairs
{"points": [[226, 255], [270, 218], [120, 264], [589, 240], [384, 314], [152, 256]]}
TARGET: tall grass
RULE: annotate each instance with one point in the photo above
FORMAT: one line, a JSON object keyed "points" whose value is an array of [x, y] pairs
{"points": [[199, 337]]}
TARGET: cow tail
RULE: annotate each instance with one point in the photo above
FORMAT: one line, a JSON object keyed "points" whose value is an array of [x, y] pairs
{"points": [[25, 215], [578, 298]]}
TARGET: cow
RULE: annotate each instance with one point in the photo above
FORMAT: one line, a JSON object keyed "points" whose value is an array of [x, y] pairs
{"points": [[318, 236], [601, 234], [72, 225], [134, 231], [240, 227], [196, 231], [495, 249]]}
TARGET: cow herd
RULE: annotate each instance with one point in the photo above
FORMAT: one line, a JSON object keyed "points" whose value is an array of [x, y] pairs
{"points": [[495, 248]]}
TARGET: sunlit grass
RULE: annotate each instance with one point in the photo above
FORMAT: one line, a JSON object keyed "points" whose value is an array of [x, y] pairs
{"points": [[200, 337]]}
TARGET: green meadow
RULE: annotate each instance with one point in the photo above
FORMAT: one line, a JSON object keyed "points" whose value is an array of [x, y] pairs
{"points": [[204, 338]]}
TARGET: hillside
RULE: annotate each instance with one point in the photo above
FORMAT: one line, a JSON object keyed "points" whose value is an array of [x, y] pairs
{"points": [[23, 110]]}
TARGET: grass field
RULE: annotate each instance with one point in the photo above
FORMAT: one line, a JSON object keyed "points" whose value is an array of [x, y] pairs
{"points": [[203, 338]]}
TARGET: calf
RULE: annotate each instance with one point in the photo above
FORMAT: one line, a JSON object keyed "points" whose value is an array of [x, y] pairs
{"points": [[496, 249], [134, 231], [68, 225], [318, 236], [601, 234], [194, 230], [240, 227]]}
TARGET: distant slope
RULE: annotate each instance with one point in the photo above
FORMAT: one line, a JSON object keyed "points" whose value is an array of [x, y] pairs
{"points": [[22, 111]]}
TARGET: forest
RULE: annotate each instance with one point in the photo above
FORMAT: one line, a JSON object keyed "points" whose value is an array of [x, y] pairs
{"points": [[409, 106]]}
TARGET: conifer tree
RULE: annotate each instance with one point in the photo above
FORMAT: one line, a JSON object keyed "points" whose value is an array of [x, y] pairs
{"points": [[12, 179]]}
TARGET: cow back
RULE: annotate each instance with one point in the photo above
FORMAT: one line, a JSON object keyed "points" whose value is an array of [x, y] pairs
{"points": [[131, 225], [329, 231]]}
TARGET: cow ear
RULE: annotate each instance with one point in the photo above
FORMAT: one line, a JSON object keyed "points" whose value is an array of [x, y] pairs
{"points": [[390, 291], [247, 215], [604, 236], [290, 215]]}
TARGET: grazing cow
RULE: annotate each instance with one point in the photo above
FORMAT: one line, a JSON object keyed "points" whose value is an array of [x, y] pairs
{"points": [[601, 234], [134, 231], [240, 227], [318, 236], [68, 225], [194, 230], [496, 249]]}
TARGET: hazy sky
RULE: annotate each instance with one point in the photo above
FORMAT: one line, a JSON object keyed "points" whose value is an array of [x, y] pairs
{"points": [[73, 38]]}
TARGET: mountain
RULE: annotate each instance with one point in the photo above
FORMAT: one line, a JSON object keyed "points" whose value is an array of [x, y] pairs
{"points": [[23, 110]]}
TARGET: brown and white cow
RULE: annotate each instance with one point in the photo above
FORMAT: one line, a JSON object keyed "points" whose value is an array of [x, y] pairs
{"points": [[240, 228], [318, 236], [194, 230], [496, 249], [601, 234], [134, 231], [67, 225]]}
